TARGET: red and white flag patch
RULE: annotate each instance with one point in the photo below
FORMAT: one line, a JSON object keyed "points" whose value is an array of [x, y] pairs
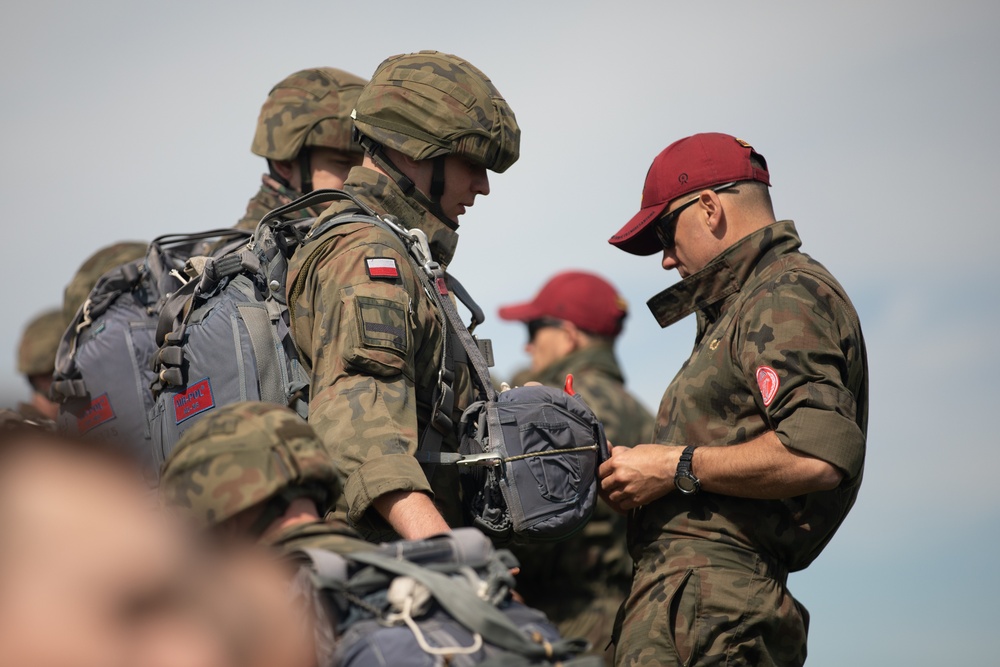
{"points": [[768, 382], [382, 267]]}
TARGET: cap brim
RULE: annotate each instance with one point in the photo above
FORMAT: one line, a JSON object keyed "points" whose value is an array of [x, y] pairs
{"points": [[521, 312], [638, 236]]}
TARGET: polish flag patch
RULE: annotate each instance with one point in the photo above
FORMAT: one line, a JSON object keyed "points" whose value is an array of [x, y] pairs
{"points": [[768, 382], [382, 267]]}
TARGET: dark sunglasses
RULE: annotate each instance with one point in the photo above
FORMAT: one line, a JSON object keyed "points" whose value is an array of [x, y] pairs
{"points": [[666, 224], [534, 326]]}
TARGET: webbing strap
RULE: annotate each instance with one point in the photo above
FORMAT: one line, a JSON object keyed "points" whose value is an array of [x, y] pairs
{"points": [[258, 324], [464, 606]]}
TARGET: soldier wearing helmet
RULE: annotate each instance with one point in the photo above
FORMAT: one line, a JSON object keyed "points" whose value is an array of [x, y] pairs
{"points": [[305, 133], [257, 472], [431, 125], [36, 361]]}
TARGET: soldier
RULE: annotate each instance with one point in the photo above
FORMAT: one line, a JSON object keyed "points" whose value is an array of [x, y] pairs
{"points": [[431, 125], [36, 361], [760, 438], [95, 266], [573, 323], [91, 573], [257, 473], [305, 133]]}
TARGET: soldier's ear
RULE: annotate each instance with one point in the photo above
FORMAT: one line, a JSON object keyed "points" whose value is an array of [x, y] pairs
{"points": [[712, 213]]}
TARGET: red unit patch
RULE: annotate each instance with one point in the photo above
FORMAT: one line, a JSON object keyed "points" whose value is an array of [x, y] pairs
{"points": [[195, 400], [381, 267], [98, 413], [768, 382]]}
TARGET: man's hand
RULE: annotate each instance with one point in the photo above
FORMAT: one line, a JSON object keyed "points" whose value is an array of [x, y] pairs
{"points": [[635, 476]]}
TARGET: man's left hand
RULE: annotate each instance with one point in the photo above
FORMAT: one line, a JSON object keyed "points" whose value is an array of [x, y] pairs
{"points": [[636, 476]]}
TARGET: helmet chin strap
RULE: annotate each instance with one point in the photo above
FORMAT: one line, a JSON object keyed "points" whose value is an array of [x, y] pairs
{"points": [[305, 170], [432, 203]]}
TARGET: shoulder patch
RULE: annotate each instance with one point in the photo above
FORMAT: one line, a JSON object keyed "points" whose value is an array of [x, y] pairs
{"points": [[768, 382], [98, 413], [195, 400], [382, 267]]}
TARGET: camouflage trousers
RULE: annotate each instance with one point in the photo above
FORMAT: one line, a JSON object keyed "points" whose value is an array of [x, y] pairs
{"points": [[696, 603]]}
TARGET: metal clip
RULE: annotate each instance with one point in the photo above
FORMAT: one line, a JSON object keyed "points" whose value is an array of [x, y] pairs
{"points": [[484, 459]]}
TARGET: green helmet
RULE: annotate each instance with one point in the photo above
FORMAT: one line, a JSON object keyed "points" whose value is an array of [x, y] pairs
{"points": [[36, 354], [93, 268], [308, 108], [432, 104], [245, 454]]}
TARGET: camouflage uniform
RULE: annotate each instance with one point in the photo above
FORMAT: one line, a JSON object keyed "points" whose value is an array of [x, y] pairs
{"points": [[373, 347], [373, 343], [271, 195], [36, 359], [580, 583], [709, 586]]}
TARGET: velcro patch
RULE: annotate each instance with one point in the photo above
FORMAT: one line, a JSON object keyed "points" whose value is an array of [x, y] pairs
{"points": [[382, 267], [768, 382], [98, 413], [195, 400], [383, 324]]}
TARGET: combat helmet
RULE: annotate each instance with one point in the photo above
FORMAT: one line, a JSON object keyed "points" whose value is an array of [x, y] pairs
{"points": [[93, 268], [245, 454], [310, 108], [36, 353], [429, 105]]}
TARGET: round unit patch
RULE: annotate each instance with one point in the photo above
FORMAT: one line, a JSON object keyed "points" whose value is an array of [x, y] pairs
{"points": [[767, 380]]}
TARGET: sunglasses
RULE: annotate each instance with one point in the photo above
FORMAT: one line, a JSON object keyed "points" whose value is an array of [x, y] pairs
{"points": [[666, 224], [534, 326]]}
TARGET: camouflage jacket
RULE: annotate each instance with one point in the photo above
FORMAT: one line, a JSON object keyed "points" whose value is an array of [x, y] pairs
{"points": [[778, 348], [271, 195], [372, 340], [598, 378]]}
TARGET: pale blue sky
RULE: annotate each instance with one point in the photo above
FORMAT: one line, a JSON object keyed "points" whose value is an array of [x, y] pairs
{"points": [[878, 119]]}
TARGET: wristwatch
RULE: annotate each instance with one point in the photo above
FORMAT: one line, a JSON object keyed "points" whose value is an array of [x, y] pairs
{"points": [[684, 479]]}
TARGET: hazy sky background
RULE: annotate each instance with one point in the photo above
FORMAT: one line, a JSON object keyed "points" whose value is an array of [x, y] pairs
{"points": [[124, 120]]}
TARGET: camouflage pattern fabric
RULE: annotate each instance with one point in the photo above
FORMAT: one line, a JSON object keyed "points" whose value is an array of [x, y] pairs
{"points": [[432, 104], [581, 582], [36, 353], [695, 604], [330, 535], [241, 455], [373, 348], [779, 348], [271, 195], [93, 268], [308, 108]]}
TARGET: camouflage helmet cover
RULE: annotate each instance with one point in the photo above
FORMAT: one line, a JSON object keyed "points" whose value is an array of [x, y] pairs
{"points": [[243, 454], [36, 353], [430, 104], [93, 268], [308, 108]]}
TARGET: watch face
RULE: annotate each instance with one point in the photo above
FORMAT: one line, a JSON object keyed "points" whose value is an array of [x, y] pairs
{"points": [[686, 483]]}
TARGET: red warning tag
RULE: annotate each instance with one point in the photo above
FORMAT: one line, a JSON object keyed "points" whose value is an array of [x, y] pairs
{"points": [[98, 413], [195, 400], [767, 380], [381, 267]]}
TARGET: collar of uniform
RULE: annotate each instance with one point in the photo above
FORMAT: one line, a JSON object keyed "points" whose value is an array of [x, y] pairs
{"points": [[724, 275], [598, 357], [382, 194]]}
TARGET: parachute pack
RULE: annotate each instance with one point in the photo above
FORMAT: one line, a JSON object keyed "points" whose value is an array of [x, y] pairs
{"points": [[104, 364], [442, 600]]}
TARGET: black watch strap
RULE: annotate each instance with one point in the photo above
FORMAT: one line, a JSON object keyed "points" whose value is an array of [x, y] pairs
{"points": [[684, 478]]}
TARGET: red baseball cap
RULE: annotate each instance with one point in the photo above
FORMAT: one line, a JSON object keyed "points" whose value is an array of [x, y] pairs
{"points": [[695, 163], [588, 301]]}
